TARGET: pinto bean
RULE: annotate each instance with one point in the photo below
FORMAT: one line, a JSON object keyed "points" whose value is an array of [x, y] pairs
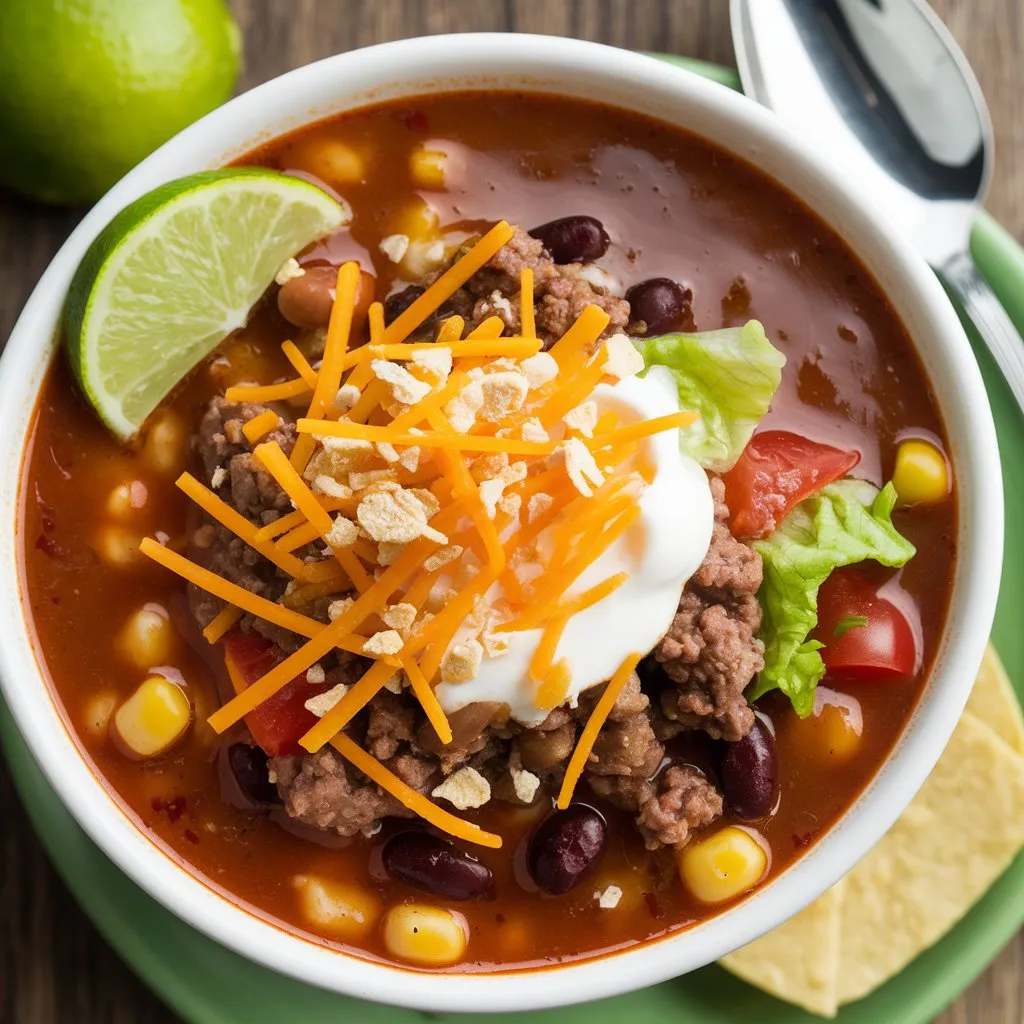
{"points": [[467, 724], [306, 301], [541, 751], [435, 865], [566, 848], [576, 239]]}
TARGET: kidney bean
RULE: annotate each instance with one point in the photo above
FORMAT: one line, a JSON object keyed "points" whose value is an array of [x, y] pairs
{"points": [[306, 301], [662, 304], [427, 862], [749, 772], [566, 848], [248, 764], [577, 239]]}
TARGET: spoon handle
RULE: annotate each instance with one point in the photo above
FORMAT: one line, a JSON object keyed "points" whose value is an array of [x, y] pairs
{"points": [[987, 314]]}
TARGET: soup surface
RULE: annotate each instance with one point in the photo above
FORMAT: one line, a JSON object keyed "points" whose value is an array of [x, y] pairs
{"points": [[673, 207]]}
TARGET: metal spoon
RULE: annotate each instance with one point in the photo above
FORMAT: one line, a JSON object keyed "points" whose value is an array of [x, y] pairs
{"points": [[883, 89]]}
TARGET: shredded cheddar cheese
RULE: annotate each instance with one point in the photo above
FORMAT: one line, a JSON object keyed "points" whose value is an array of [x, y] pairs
{"points": [[299, 363], [267, 392], [552, 691], [448, 283], [636, 431], [457, 442], [223, 622], [259, 426], [585, 744], [430, 704], [277, 464], [544, 655]]}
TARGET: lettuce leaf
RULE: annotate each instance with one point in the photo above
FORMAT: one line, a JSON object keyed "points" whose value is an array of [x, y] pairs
{"points": [[846, 522], [728, 376]]}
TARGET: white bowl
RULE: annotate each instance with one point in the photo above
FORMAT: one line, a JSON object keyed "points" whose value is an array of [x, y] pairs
{"points": [[572, 68]]}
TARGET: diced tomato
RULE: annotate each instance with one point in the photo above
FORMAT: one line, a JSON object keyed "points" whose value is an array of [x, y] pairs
{"points": [[866, 637], [278, 723], [777, 470]]}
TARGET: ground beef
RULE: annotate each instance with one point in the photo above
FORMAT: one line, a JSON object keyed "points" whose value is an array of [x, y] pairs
{"points": [[233, 473], [542, 750], [627, 746], [685, 802], [711, 651], [324, 791], [222, 445], [560, 292], [391, 723]]}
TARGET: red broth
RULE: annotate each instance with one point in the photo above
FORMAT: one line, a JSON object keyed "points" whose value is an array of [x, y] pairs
{"points": [[675, 207]]}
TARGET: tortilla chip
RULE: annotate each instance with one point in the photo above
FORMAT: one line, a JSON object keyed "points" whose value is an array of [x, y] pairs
{"points": [[956, 838], [799, 960], [995, 702]]}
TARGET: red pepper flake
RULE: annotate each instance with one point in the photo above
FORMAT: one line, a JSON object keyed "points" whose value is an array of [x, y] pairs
{"points": [[416, 121], [173, 808], [191, 836], [802, 842]]}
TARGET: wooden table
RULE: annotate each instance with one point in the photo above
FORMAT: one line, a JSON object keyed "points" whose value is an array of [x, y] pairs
{"points": [[53, 965]]}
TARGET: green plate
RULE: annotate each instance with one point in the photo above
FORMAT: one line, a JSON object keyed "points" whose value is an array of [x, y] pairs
{"points": [[206, 984]]}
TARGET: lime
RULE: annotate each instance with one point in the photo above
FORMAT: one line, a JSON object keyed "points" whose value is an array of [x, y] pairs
{"points": [[90, 87], [174, 273]]}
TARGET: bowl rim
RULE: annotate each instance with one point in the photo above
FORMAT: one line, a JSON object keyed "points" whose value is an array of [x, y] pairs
{"points": [[539, 63]]}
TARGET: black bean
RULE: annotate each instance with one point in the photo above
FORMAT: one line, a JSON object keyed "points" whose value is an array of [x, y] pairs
{"points": [[749, 773], [306, 301], [577, 239], [398, 302], [427, 862], [661, 304], [248, 764], [566, 848]]}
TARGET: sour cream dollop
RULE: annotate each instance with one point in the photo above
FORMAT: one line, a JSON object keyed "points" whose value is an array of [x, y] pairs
{"points": [[661, 551]]}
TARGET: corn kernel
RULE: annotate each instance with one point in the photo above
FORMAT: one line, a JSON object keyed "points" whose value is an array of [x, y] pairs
{"points": [[921, 476], [337, 908], [164, 446], [118, 546], [422, 934], [839, 731], [331, 160], [427, 168], [422, 258], [723, 866], [153, 718], [127, 498], [97, 712], [147, 637], [417, 220]]}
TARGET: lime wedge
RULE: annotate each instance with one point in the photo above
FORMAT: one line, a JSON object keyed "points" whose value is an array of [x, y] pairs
{"points": [[176, 272]]}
